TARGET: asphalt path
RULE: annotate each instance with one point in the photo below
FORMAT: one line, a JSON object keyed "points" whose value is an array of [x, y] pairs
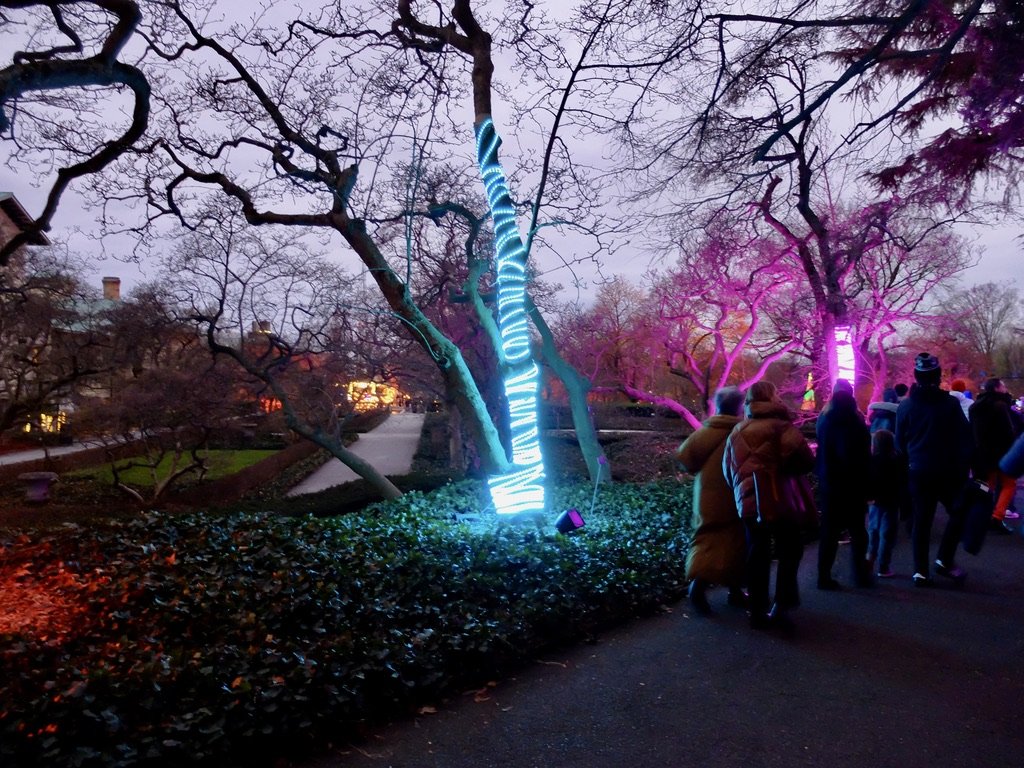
{"points": [[889, 676], [34, 454], [389, 448]]}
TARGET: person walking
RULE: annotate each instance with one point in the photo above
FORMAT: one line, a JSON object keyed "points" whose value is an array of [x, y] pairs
{"points": [[882, 414], [935, 437], [766, 445], [844, 450], [958, 389], [717, 554], [993, 425], [886, 480]]}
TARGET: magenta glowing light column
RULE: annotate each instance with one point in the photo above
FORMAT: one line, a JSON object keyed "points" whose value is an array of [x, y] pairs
{"points": [[846, 366], [522, 488]]}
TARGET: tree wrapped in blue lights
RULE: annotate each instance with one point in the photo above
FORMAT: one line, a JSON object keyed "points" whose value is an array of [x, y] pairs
{"points": [[521, 489]]}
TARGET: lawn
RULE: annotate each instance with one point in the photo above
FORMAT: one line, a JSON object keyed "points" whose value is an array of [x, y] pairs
{"points": [[220, 463]]}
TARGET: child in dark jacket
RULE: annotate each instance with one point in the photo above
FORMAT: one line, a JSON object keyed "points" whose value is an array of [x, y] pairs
{"points": [[885, 482]]}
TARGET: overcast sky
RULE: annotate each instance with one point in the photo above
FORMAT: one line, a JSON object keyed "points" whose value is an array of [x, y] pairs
{"points": [[1001, 258]]}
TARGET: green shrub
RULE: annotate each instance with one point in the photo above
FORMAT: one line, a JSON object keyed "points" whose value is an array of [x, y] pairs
{"points": [[231, 640]]}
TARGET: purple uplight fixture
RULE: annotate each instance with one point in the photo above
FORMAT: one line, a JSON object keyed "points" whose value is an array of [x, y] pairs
{"points": [[569, 521]]}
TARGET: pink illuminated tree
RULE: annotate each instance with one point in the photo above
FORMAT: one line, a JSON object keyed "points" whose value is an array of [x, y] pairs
{"points": [[715, 309]]}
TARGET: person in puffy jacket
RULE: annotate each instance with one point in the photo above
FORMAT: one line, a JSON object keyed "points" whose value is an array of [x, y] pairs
{"points": [[933, 433], [717, 554], [765, 443]]}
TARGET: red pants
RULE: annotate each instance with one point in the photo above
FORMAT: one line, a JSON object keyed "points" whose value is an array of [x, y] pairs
{"points": [[1004, 487]]}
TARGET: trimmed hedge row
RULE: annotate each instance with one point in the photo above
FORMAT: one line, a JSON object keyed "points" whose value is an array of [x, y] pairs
{"points": [[230, 640]]}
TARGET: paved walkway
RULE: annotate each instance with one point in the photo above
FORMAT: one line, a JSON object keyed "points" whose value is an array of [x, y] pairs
{"points": [[890, 676], [389, 448], [33, 454]]}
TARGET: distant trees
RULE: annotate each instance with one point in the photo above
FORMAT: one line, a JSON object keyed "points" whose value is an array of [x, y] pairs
{"points": [[703, 322], [261, 300], [985, 317], [53, 335]]}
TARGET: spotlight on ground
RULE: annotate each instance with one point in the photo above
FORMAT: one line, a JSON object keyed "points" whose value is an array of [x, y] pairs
{"points": [[569, 521]]}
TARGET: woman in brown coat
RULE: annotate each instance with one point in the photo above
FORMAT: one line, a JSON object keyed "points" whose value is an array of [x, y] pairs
{"points": [[767, 445], [717, 553]]}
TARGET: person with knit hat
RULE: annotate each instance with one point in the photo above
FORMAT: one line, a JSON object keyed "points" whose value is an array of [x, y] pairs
{"points": [[935, 436], [958, 389]]}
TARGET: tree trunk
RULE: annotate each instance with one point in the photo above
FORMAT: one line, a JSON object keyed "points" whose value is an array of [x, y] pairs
{"points": [[577, 387], [458, 380]]}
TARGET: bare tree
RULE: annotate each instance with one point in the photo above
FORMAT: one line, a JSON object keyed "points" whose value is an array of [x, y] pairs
{"points": [[893, 287], [984, 315], [715, 308], [55, 95], [277, 311], [168, 414]]}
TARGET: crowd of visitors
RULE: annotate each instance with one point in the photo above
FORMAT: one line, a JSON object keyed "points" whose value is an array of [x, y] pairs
{"points": [[915, 449]]}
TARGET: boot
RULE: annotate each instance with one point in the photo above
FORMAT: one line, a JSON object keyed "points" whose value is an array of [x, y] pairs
{"points": [[737, 597], [699, 598], [780, 620]]}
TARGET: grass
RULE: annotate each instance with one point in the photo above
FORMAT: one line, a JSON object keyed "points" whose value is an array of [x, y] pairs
{"points": [[220, 463]]}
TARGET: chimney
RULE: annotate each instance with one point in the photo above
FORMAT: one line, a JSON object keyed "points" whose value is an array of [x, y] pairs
{"points": [[112, 288]]}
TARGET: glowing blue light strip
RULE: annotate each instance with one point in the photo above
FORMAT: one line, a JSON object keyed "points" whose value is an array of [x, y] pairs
{"points": [[522, 488]]}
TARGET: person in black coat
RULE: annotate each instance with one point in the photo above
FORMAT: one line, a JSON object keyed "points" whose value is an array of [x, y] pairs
{"points": [[933, 433], [844, 452], [994, 425]]}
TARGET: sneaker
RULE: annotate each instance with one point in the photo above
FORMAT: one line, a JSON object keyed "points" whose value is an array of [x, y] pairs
{"points": [[886, 573], [920, 580], [829, 585], [1011, 515], [952, 571], [999, 528]]}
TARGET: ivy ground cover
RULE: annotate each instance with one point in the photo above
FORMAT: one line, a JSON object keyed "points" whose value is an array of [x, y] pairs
{"points": [[237, 639]]}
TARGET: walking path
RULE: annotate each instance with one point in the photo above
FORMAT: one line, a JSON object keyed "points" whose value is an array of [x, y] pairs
{"points": [[890, 676], [34, 454], [389, 448]]}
